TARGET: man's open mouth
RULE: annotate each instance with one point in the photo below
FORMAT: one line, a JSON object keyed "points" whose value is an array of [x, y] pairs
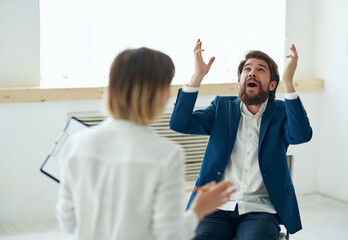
{"points": [[251, 84]]}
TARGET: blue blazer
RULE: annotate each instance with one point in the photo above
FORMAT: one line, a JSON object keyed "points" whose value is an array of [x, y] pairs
{"points": [[283, 123]]}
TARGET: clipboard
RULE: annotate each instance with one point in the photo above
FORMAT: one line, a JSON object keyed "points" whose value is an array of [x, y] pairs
{"points": [[51, 165]]}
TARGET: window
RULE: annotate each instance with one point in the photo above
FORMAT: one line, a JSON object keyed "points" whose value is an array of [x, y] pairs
{"points": [[80, 38]]}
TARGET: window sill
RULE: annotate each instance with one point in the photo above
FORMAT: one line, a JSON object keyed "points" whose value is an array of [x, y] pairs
{"points": [[37, 94]]}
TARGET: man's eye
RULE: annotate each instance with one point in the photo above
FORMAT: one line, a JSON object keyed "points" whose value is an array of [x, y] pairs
{"points": [[261, 69], [246, 69]]}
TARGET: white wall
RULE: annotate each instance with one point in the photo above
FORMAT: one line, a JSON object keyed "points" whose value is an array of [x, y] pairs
{"points": [[331, 64], [28, 131], [299, 29], [300, 16], [19, 43]]}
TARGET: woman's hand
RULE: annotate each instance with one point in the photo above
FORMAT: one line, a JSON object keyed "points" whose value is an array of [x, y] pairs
{"points": [[289, 71], [211, 197], [201, 68]]}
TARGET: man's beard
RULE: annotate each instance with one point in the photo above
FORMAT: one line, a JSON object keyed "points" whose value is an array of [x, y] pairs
{"points": [[257, 99]]}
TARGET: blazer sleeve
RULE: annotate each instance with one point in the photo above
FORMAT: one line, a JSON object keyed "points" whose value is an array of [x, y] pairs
{"points": [[297, 128], [169, 220], [185, 120]]}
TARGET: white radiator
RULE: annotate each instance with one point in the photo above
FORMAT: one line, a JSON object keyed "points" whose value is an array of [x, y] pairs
{"points": [[194, 145]]}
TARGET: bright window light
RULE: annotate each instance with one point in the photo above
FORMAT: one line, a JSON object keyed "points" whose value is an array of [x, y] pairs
{"points": [[80, 38]]}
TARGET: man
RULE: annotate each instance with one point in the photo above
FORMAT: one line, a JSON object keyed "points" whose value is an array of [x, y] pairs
{"points": [[249, 137]]}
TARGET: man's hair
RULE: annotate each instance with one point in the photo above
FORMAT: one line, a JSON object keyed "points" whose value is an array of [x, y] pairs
{"points": [[273, 67], [138, 79]]}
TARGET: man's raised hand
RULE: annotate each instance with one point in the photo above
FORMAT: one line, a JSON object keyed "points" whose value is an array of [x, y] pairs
{"points": [[201, 68], [289, 71]]}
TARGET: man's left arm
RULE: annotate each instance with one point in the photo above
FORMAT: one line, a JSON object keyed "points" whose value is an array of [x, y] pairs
{"points": [[297, 126], [298, 129]]}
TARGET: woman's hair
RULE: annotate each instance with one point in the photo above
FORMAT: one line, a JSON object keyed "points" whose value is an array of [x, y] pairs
{"points": [[273, 67], [138, 80]]}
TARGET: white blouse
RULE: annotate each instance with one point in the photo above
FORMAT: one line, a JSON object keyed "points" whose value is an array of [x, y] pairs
{"points": [[120, 180]]}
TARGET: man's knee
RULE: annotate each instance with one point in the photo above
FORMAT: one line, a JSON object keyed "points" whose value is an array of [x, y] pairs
{"points": [[257, 226], [216, 226]]}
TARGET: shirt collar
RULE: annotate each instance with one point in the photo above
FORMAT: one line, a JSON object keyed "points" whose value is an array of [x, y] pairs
{"points": [[123, 124], [245, 112]]}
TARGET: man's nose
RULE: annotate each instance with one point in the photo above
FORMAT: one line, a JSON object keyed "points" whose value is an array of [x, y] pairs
{"points": [[252, 73]]}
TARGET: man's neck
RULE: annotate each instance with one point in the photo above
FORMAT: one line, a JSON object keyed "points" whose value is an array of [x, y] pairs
{"points": [[254, 109]]}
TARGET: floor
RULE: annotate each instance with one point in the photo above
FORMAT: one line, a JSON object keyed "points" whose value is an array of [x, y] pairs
{"points": [[323, 218]]}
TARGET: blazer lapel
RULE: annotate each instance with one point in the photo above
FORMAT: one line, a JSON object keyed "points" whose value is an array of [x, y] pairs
{"points": [[271, 108], [234, 118]]}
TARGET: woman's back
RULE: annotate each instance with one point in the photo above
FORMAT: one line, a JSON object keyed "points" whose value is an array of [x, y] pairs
{"points": [[126, 181]]}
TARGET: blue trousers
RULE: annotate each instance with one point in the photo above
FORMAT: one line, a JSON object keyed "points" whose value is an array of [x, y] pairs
{"points": [[225, 225]]}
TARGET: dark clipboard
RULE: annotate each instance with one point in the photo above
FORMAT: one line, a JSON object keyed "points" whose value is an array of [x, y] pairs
{"points": [[51, 165]]}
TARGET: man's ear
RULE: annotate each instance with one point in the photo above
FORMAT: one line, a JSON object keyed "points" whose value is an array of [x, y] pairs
{"points": [[272, 85]]}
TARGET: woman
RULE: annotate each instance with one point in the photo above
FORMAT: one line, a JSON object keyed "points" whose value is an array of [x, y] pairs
{"points": [[119, 179]]}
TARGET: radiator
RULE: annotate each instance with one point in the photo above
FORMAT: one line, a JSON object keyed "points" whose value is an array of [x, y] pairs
{"points": [[194, 145]]}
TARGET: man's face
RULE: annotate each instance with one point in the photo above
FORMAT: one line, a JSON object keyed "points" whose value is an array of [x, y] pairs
{"points": [[255, 82]]}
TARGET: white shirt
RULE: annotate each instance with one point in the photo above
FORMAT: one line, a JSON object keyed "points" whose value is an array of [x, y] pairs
{"points": [[243, 168], [120, 180]]}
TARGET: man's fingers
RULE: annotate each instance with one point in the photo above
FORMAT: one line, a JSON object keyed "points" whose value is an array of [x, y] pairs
{"points": [[211, 61], [200, 65], [289, 56], [198, 45], [198, 55], [293, 49]]}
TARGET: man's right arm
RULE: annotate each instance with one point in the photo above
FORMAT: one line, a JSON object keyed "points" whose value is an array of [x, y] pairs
{"points": [[183, 119]]}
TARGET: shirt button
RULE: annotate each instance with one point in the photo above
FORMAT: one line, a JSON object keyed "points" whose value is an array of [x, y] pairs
{"points": [[250, 135], [248, 153], [246, 171], [219, 173]]}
